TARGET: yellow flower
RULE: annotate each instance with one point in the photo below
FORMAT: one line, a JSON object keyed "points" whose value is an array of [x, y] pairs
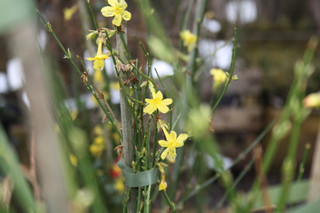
{"points": [[98, 76], [96, 149], [219, 76], [163, 183], [171, 144], [74, 114], [73, 159], [119, 185], [118, 10], [188, 39], [98, 63], [157, 102], [97, 130], [116, 138], [98, 140], [68, 12], [115, 86], [312, 100]]}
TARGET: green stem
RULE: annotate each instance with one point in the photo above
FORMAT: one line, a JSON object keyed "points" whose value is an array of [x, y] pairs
{"points": [[125, 205], [155, 142], [93, 17], [169, 201], [235, 183], [231, 70], [147, 200], [303, 162], [196, 29], [139, 199]]}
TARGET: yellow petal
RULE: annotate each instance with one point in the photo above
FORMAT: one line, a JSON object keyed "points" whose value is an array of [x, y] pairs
{"points": [[166, 133], [158, 95], [163, 109], [90, 59], [181, 138], [102, 57], [99, 140], [68, 12], [162, 185], [113, 3], [107, 11], [149, 109], [126, 15], [117, 20], [164, 154], [148, 100], [123, 5], [163, 143], [172, 153], [172, 136], [166, 101], [98, 64]]}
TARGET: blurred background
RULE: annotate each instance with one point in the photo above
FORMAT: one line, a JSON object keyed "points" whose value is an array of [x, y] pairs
{"points": [[272, 36]]}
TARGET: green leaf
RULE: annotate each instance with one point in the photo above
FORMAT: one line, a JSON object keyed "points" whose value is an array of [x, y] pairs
{"points": [[10, 166], [310, 208], [298, 193]]}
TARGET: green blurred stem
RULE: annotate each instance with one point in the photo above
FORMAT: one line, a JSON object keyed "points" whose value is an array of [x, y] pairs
{"points": [[303, 162], [155, 142], [288, 172], [201, 6], [169, 201], [231, 70], [93, 17], [9, 164], [235, 183]]}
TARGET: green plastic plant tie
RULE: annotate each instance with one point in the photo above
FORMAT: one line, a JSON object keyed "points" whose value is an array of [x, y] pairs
{"points": [[138, 179]]}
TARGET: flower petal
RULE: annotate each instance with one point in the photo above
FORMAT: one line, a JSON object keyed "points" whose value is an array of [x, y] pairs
{"points": [[166, 101], [163, 185], [107, 11], [117, 20], [172, 153], [148, 100], [162, 108], [101, 57], [122, 4], [180, 140], [90, 59], [158, 95], [113, 3], [163, 143], [149, 109], [172, 136], [98, 64], [165, 133], [164, 154], [126, 15]]}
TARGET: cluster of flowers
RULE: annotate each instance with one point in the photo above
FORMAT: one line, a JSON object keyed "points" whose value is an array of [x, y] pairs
{"points": [[157, 104]]}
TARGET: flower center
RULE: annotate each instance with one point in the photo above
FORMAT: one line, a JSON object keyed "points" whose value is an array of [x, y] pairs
{"points": [[117, 10], [156, 101]]}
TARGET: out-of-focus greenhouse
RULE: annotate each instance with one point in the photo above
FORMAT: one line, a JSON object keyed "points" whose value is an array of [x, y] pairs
{"points": [[159, 106]]}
